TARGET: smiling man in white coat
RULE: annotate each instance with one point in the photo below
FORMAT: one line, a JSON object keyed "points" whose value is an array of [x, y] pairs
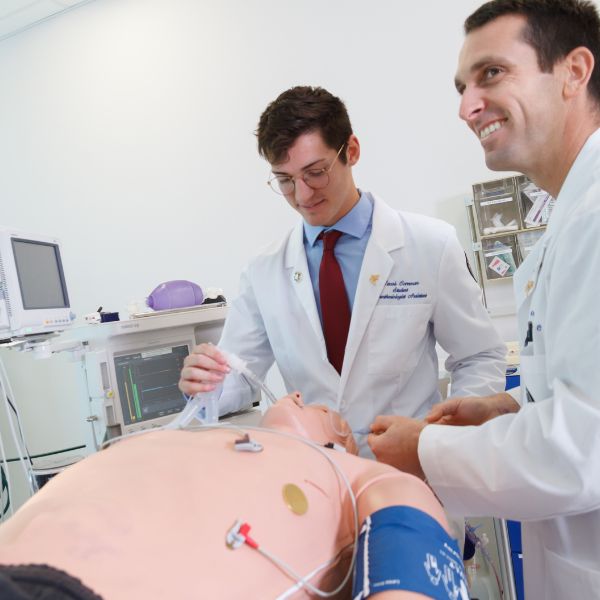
{"points": [[355, 326], [529, 81]]}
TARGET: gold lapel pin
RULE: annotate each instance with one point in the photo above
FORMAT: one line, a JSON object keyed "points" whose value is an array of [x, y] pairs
{"points": [[374, 279], [529, 287], [297, 276]]}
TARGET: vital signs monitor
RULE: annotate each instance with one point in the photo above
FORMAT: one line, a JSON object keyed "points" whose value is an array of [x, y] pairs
{"points": [[33, 292]]}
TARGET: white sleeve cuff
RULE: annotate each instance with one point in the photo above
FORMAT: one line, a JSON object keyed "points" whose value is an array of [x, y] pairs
{"points": [[431, 463]]}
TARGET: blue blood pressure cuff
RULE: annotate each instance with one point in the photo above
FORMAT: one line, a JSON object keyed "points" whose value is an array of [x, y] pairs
{"points": [[403, 548]]}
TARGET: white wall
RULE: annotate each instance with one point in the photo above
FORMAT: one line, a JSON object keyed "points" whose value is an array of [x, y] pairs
{"points": [[127, 127], [127, 131]]}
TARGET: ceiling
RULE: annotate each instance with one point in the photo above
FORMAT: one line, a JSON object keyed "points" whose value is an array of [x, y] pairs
{"points": [[18, 15]]}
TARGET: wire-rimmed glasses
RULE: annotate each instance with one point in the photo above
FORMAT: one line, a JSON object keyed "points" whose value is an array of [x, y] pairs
{"points": [[315, 179]]}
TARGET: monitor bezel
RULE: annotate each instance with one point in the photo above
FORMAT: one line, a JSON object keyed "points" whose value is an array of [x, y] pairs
{"points": [[61, 273], [156, 344], [16, 321]]}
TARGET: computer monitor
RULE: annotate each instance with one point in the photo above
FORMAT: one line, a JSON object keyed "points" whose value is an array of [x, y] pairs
{"points": [[147, 383], [33, 291]]}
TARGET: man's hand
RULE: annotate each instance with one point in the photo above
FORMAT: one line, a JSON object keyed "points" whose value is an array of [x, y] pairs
{"points": [[394, 440], [471, 410], [203, 370]]}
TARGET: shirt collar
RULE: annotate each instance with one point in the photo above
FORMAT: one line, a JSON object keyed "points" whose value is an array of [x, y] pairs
{"points": [[354, 223]]}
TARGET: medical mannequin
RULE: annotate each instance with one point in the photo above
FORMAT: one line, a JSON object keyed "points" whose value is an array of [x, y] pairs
{"points": [[149, 516]]}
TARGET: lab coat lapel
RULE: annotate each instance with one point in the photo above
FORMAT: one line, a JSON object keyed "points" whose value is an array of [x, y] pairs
{"points": [[523, 285], [299, 277], [525, 278], [387, 234]]}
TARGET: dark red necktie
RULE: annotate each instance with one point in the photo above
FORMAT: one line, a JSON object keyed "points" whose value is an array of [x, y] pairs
{"points": [[335, 308]]}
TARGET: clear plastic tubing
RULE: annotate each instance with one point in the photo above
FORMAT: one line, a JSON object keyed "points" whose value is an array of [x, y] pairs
{"points": [[203, 406], [240, 366]]}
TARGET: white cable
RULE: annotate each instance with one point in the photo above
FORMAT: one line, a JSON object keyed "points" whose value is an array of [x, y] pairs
{"points": [[241, 367], [125, 436], [282, 565], [237, 364], [20, 449], [4, 463], [303, 582], [18, 440], [342, 476], [87, 387]]}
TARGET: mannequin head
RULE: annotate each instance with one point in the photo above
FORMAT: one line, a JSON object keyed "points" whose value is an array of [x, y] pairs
{"points": [[314, 422]]}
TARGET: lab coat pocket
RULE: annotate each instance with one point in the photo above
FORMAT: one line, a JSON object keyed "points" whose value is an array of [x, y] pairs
{"points": [[396, 336], [566, 579], [534, 377]]}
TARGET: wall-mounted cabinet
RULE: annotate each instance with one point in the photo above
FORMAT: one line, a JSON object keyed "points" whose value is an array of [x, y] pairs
{"points": [[506, 217]]}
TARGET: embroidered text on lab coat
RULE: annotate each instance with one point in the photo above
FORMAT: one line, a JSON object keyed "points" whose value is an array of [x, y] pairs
{"points": [[402, 290]]}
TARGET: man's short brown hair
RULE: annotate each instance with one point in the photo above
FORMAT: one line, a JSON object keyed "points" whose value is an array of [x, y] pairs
{"points": [[554, 28], [300, 110]]}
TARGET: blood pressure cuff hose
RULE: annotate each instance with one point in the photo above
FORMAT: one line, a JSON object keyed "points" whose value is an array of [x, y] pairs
{"points": [[41, 582], [403, 548]]}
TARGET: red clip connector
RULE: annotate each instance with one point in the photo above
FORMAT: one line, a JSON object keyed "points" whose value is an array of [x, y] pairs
{"points": [[238, 535], [244, 529]]}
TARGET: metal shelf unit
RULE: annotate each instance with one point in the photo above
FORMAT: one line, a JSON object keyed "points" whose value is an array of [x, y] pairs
{"points": [[506, 218]]}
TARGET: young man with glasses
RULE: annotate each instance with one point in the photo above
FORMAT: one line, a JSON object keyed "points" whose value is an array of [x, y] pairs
{"points": [[350, 304]]}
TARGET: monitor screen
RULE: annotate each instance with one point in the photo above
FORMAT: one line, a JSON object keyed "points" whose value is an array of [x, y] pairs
{"points": [[147, 383], [40, 274]]}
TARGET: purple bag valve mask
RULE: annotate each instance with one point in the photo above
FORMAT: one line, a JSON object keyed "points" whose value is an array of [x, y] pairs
{"points": [[178, 293]]}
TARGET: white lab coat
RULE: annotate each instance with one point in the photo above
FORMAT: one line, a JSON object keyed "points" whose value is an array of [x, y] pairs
{"points": [[542, 465], [414, 288]]}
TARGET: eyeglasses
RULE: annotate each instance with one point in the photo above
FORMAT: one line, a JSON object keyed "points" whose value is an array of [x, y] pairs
{"points": [[315, 179]]}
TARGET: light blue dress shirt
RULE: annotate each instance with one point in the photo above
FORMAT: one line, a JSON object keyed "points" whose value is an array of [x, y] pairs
{"points": [[350, 249]]}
